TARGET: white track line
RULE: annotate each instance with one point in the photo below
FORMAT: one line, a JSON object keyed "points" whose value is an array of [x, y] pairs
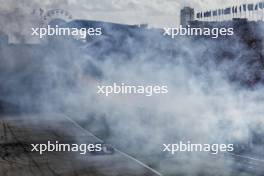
{"points": [[139, 162], [122, 153], [246, 157]]}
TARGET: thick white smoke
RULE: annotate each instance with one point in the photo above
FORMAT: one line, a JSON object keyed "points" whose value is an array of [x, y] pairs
{"points": [[203, 105]]}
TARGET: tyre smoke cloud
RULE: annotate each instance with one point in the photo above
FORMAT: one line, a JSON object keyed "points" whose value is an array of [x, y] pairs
{"points": [[204, 105]]}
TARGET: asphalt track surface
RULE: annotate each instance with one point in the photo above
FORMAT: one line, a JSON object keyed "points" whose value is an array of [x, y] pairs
{"points": [[18, 132]]}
